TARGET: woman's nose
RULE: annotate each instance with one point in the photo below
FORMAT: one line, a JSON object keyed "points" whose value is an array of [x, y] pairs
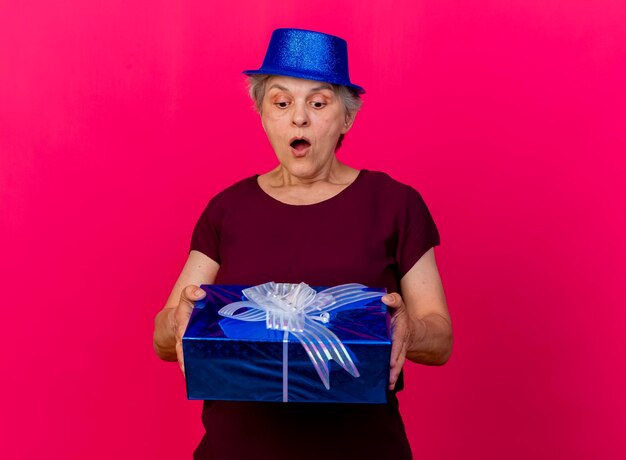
{"points": [[300, 117]]}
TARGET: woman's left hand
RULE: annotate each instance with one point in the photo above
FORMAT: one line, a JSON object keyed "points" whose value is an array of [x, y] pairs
{"points": [[403, 332]]}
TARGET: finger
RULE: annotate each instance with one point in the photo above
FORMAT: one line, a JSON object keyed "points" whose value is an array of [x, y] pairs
{"points": [[182, 314], [179, 355], [181, 325], [393, 300], [395, 370], [180, 318], [190, 294], [398, 355], [397, 342], [398, 350]]}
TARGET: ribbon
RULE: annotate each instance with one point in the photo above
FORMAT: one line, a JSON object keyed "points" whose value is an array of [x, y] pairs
{"points": [[299, 310]]}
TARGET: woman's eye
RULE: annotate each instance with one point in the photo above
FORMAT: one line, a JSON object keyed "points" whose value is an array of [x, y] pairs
{"points": [[282, 105], [318, 104]]}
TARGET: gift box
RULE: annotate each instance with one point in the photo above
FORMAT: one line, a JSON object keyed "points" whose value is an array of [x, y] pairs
{"points": [[289, 342]]}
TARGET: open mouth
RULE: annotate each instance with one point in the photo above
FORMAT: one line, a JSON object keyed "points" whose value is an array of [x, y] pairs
{"points": [[300, 145]]}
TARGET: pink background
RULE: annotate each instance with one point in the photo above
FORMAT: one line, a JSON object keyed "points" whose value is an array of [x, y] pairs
{"points": [[119, 120]]}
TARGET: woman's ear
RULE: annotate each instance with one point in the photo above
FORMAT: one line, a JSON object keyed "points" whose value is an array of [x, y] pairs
{"points": [[349, 120]]}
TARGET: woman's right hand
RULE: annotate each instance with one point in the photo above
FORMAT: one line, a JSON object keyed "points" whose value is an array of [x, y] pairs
{"points": [[179, 318], [170, 323]]}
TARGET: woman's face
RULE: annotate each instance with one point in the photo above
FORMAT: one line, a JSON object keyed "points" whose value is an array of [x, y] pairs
{"points": [[303, 120]]}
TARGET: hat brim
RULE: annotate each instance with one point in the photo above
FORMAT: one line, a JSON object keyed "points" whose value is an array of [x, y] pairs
{"points": [[306, 76]]}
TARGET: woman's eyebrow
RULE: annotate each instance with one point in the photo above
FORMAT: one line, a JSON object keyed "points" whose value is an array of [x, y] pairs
{"points": [[276, 85], [317, 88]]}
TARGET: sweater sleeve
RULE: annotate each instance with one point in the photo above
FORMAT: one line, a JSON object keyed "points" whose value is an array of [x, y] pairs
{"points": [[417, 232], [207, 232]]}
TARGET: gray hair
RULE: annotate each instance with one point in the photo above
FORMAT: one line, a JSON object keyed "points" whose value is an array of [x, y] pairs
{"points": [[351, 99]]}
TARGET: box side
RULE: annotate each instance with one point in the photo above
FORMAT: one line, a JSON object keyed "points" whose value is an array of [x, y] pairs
{"points": [[233, 370], [253, 371], [370, 387]]}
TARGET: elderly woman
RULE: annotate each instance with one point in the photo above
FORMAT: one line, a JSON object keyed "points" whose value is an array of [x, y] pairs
{"points": [[317, 220]]}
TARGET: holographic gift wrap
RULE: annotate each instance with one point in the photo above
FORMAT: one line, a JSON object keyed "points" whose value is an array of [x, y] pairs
{"points": [[289, 343]]}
